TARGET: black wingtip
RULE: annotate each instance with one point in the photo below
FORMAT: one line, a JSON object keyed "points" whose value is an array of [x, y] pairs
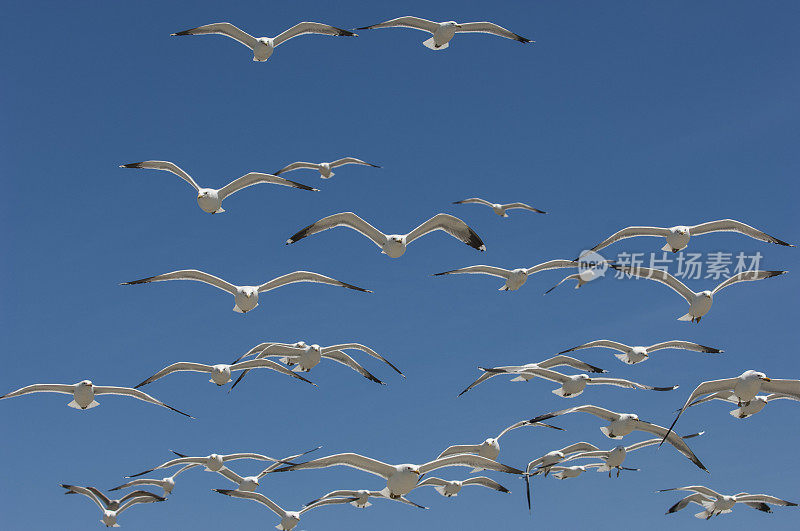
{"points": [[132, 165], [140, 281], [184, 32]]}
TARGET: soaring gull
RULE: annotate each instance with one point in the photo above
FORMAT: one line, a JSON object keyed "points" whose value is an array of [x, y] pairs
{"points": [[361, 498], [221, 373], [633, 355], [490, 448], [744, 411], [211, 462], [444, 31], [325, 169], [515, 278], [714, 503], [250, 483], [110, 515], [167, 483], [499, 209], [448, 489]]}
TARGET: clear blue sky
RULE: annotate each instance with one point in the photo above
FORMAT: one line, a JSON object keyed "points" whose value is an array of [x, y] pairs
{"points": [[622, 113]]}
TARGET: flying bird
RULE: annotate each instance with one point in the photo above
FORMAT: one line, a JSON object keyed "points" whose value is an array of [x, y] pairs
{"points": [[444, 31], [515, 278], [84, 394], [210, 199], [361, 498], [110, 515], [263, 47], [714, 503], [221, 373], [678, 236], [448, 489], [556, 361], [621, 424], [499, 209], [490, 448], [167, 483], [744, 411], [211, 462], [325, 169], [394, 245], [699, 302], [543, 464], [569, 472], [246, 296], [633, 355], [250, 483]]}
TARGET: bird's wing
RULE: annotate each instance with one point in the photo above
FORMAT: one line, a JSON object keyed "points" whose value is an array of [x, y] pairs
{"points": [[41, 388], [165, 166], [406, 22], [764, 498], [581, 446], [89, 494], [305, 276], [140, 494], [135, 393], [347, 361], [731, 225], [477, 200], [231, 475], [588, 455], [630, 232], [711, 386], [603, 343], [365, 349], [256, 178], [326, 501], [139, 499], [304, 28], [685, 345], [459, 449], [297, 166], [588, 408], [351, 160], [780, 396], [286, 460], [483, 481], [105, 499], [700, 489], [490, 27], [223, 28], [360, 462], [342, 219], [574, 276], [547, 374], [194, 461], [479, 269], [432, 482], [452, 226], [188, 274], [485, 376], [470, 460], [176, 367], [137, 482], [746, 276], [552, 264], [255, 496], [267, 364], [692, 498], [523, 206], [659, 276], [568, 361], [727, 396], [619, 382], [334, 494], [784, 387], [671, 437]]}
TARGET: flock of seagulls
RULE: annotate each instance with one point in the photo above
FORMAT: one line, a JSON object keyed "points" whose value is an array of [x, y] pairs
{"points": [[399, 480]]}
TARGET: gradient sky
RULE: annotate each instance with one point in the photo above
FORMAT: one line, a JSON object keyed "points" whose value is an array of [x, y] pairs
{"points": [[622, 113]]}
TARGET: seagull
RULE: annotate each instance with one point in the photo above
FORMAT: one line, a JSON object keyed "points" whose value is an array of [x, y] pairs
{"points": [[744, 387], [568, 472], [744, 411], [84, 393], [289, 519], [572, 385], [444, 31], [515, 278], [715, 503], [490, 448], [634, 355], [448, 489], [221, 373], [361, 498], [401, 479], [556, 361], [324, 168], [210, 199], [614, 458], [108, 503], [499, 209], [212, 462], [394, 245], [250, 483], [167, 483], [678, 237], [109, 518], [544, 463], [621, 424], [699, 302], [246, 296], [264, 46]]}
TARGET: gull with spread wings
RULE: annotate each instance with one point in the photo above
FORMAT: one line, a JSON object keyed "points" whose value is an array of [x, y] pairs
{"points": [[638, 354], [515, 278], [325, 169], [499, 208]]}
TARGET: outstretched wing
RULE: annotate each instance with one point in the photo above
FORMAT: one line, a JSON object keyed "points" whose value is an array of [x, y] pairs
{"points": [[604, 343], [306, 276], [600, 412], [347, 361], [135, 393], [672, 438], [469, 460], [41, 388], [659, 276], [630, 232], [188, 274], [492, 28], [360, 462], [256, 178], [176, 367], [365, 349], [552, 264], [476, 200], [223, 28], [296, 166], [342, 219], [165, 166], [255, 496], [304, 28], [685, 345], [479, 270], [406, 22], [523, 206], [619, 382], [731, 225], [452, 226], [351, 160], [459, 449], [746, 276]]}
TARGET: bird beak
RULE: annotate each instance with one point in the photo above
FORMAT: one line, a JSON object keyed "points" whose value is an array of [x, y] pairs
{"points": [[766, 379], [459, 26]]}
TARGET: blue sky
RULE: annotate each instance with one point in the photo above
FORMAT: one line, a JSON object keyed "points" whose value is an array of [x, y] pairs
{"points": [[623, 113]]}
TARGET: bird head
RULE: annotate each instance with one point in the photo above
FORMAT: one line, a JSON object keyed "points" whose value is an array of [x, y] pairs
{"points": [[706, 294], [452, 24], [85, 383]]}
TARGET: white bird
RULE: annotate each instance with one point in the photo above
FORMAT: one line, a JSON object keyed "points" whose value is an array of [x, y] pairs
{"points": [[361, 498], [448, 489], [556, 361], [221, 373], [499, 209], [113, 508], [401, 479], [210, 199], [633, 355], [250, 483], [515, 278], [211, 462], [289, 519], [568, 472], [621, 424], [544, 463], [84, 393], [167, 483], [699, 302], [394, 245], [572, 385], [263, 47], [444, 31], [246, 296], [744, 387], [614, 458], [325, 169], [490, 448], [744, 411], [678, 236], [715, 503]]}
